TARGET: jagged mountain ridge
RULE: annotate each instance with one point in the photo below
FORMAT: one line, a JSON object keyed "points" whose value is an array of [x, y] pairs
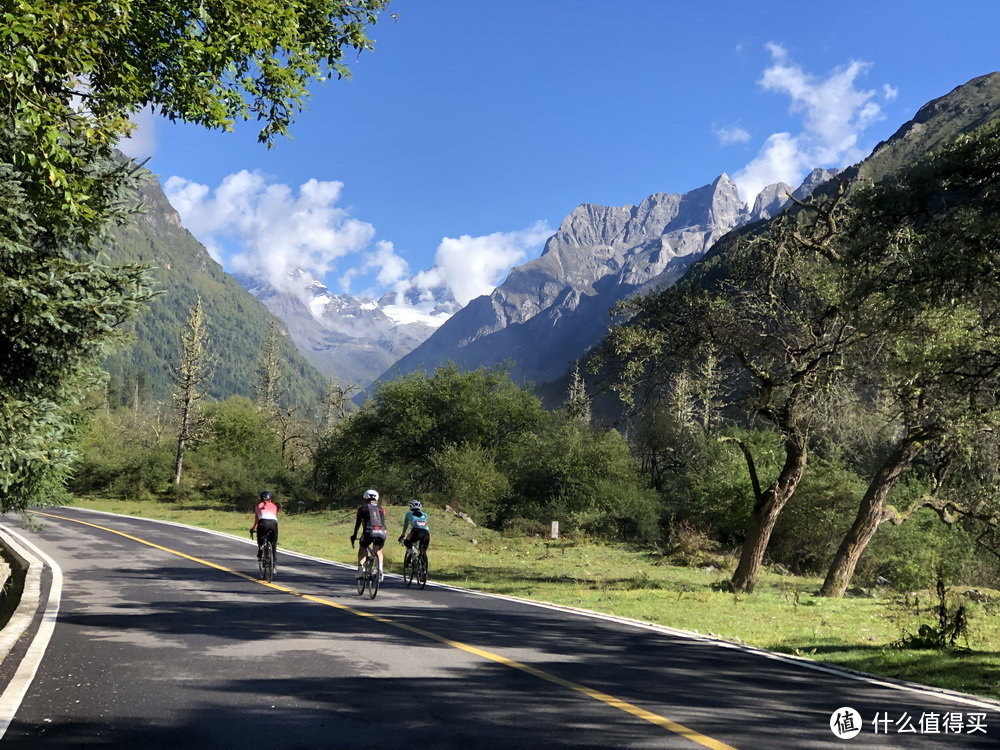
{"points": [[551, 310]]}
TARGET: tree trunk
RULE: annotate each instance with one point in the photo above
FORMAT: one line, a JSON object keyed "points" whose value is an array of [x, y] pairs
{"points": [[765, 513], [178, 466], [871, 514], [182, 443]]}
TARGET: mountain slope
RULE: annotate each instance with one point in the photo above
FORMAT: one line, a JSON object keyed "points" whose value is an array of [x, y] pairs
{"points": [[961, 110], [182, 271]]}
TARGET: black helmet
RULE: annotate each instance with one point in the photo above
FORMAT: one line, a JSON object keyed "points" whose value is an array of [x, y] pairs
{"points": [[265, 495]]}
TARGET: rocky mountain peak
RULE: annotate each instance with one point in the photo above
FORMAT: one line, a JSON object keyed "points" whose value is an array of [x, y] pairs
{"points": [[552, 308]]}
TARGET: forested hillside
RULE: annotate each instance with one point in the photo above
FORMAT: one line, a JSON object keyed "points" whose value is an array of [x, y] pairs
{"points": [[182, 271]]}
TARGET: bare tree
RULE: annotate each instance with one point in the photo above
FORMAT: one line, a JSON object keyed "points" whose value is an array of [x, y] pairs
{"points": [[188, 376], [335, 403], [266, 386], [577, 404]]}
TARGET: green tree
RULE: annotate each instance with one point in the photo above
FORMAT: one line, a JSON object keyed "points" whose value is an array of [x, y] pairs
{"points": [[767, 307], [393, 440], [73, 73], [581, 475], [239, 456], [922, 259], [60, 308]]}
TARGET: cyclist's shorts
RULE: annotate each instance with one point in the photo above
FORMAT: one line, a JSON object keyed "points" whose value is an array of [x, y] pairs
{"points": [[375, 540], [421, 536], [267, 527]]}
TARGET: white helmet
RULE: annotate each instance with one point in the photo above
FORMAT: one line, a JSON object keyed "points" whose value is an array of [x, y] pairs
{"points": [[371, 495]]}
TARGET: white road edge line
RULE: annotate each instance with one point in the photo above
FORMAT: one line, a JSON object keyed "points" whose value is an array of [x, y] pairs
{"points": [[800, 661], [12, 696]]}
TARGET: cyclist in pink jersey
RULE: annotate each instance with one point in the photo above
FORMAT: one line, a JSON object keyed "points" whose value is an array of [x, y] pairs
{"points": [[265, 523]]}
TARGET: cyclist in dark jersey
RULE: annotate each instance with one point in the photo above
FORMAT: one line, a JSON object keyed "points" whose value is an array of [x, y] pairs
{"points": [[371, 517]]}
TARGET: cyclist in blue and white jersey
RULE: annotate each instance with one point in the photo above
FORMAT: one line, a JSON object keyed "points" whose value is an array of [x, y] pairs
{"points": [[419, 525]]}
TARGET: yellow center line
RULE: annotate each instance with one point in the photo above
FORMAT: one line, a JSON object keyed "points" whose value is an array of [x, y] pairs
{"points": [[610, 700]]}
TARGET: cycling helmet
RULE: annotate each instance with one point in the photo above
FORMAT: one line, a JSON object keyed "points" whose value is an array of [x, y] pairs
{"points": [[371, 495], [414, 505], [265, 495]]}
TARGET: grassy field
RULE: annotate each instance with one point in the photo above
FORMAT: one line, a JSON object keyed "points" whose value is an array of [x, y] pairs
{"points": [[782, 615]]}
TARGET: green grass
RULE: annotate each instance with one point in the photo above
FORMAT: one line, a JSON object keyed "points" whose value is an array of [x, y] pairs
{"points": [[782, 615]]}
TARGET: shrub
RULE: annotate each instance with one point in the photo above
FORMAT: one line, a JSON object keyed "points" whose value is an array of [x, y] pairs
{"points": [[467, 476], [814, 522], [621, 510]]}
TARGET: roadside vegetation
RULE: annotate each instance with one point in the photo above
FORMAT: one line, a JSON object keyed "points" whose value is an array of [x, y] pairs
{"points": [[784, 614]]}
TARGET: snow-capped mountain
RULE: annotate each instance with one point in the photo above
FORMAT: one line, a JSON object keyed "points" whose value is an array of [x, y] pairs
{"points": [[351, 339]]}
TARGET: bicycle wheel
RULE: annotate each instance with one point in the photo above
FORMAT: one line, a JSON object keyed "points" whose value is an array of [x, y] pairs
{"points": [[408, 569], [373, 581], [363, 580], [260, 564], [268, 561], [422, 571]]}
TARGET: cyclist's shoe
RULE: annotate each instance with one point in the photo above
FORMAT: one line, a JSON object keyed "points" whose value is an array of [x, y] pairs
{"points": [[380, 576]]}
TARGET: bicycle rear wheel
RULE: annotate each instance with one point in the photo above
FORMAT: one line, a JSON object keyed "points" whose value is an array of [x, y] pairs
{"points": [[408, 569], [363, 580], [422, 571], [267, 562], [373, 581]]}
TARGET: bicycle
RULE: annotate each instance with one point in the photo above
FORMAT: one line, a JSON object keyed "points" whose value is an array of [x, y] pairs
{"points": [[415, 566], [265, 561], [369, 574]]}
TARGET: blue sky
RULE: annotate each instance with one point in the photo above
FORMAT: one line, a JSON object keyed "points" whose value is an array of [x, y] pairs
{"points": [[474, 127]]}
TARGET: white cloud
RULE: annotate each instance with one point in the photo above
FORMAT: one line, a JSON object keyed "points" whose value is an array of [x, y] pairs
{"points": [[141, 142], [729, 136], [268, 230], [391, 267], [473, 266], [834, 110], [889, 92], [271, 228]]}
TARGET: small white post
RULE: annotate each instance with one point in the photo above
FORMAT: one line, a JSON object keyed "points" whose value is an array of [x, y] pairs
{"points": [[554, 531]]}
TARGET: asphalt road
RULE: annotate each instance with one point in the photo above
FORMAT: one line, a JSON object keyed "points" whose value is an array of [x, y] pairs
{"points": [[178, 645]]}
